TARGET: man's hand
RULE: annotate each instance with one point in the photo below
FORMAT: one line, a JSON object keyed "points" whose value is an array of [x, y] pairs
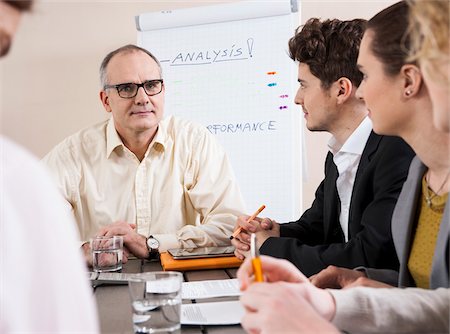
{"points": [[87, 253], [270, 228], [242, 241], [133, 242], [367, 282], [334, 277]]}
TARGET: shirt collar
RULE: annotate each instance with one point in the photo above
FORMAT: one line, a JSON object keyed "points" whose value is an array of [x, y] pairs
{"points": [[356, 142], [113, 139]]}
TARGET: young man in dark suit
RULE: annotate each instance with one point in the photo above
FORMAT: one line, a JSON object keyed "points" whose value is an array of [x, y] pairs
{"points": [[349, 222]]}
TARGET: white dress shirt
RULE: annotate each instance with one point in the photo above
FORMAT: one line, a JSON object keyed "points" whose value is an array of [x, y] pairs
{"points": [[183, 192], [43, 282], [346, 159]]}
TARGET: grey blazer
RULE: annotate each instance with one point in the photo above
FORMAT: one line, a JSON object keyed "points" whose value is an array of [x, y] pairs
{"points": [[404, 224], [403, 228]]}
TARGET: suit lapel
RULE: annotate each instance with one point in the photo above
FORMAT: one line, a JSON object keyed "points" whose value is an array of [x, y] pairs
{"points": [[404, 218], [371, 147]]}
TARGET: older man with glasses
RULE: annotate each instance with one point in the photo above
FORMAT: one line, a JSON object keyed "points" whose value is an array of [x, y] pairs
{"points": [[159, 182]]}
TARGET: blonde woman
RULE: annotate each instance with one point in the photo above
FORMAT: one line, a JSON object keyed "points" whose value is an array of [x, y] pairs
{"points": [[430, 35]]}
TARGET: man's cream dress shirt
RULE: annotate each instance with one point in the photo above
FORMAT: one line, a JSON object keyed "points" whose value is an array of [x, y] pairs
{"points": [[183, 192]]}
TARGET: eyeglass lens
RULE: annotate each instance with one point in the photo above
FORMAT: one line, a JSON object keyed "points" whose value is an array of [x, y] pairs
{"points": [[128, 90]]}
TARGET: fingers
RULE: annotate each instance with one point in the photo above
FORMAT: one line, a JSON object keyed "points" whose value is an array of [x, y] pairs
{"points": [[240, 242], [116, 228], [251, 322], [267, 223], [255, 295], [250, 226], [334, 277], [328, 278], [259, 301], [135, 243], [367, 282], [241, 255], [273, 269], [125, 255]]}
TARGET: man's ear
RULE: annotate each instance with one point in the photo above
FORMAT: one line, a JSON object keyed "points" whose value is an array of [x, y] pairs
{"points": [[105, 101], [343, 89], [411, 80]]}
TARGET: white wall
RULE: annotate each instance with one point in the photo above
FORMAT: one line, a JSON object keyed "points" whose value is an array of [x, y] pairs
{"points": [[49, 82]]}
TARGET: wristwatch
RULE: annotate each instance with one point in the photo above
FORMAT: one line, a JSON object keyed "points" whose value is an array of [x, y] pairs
{"points": [[153, 247]]}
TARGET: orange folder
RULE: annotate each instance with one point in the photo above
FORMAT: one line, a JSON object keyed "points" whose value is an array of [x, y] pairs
{"points": [[169, 263]]}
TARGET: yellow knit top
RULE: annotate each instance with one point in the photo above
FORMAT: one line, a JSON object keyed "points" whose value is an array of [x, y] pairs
{"points": [[425, 237]]}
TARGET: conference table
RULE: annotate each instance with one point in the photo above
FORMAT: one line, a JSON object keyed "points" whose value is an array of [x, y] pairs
{"points": [[114, 306]]}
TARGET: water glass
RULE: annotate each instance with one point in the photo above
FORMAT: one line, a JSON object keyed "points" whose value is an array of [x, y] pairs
{"points": [[156, 301], [107, 253]]}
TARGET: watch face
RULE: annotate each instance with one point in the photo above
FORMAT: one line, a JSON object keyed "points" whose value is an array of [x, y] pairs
{"points": [[153, 243]]}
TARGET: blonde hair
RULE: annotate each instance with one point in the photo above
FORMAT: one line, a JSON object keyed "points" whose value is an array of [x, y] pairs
{"points": [[429, 26]]}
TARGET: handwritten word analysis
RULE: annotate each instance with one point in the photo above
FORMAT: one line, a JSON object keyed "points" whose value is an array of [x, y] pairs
{"points": [[237, 51], [242, 127]]}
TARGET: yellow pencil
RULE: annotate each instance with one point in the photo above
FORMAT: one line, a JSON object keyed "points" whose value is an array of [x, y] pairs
{"points": [[239, 230], [256, 260]]}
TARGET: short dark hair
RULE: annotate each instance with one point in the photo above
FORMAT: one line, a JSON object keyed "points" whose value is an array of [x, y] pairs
{"points": [[129, 48], [330, 49], [391, 41], [22, 5]]}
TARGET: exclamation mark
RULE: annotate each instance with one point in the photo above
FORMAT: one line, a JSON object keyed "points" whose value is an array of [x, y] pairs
{"points": [[250, 46]]}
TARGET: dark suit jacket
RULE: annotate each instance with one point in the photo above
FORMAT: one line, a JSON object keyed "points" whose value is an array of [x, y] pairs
{"points": [[316, 239]]}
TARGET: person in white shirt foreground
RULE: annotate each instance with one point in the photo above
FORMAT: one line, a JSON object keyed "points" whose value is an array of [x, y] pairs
{"points": [[380, 308], [43, 284]]}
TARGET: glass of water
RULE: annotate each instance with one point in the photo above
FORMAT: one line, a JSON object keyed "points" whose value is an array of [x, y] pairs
{"points": [[107, 253], [156, 301]]}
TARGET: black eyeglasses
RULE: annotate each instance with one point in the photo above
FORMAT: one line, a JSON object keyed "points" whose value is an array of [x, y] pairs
{"points": [[130, 90]]}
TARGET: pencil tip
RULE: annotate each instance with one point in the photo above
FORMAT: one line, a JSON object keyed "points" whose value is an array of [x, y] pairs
{"points": [[231, 238]]}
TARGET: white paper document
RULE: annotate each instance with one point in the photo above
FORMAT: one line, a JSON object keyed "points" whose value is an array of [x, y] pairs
{"points": [[219, 313], [210, 289]]}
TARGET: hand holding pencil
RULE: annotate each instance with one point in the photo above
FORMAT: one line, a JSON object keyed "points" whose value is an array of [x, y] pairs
{"points": [[252, 217]]}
